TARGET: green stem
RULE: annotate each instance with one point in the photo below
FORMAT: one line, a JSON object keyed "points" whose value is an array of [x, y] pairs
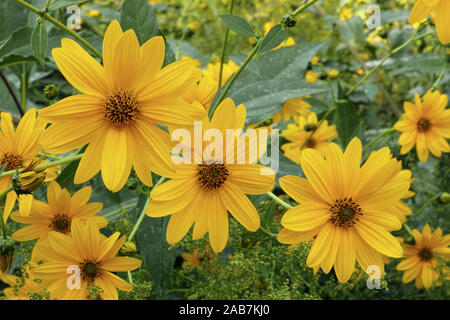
{"points": [[384, 133], [303, 7], [270, 234], [122, 209], [45, 166], [177, 53], [142, 215], [224, 47], [425, 205], [23, 86], [368, 74], [2, 195], [11, 92], [279, 201], [233, 78], [441, 75], [130, 278], [52, 20], [408, 229]]}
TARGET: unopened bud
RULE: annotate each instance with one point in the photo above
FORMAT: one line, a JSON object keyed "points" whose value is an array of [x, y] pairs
{"points": [[444, 197], [27, 182], [50, 91], [310, 126], [288, 21], [7, 251], [128, 248]]}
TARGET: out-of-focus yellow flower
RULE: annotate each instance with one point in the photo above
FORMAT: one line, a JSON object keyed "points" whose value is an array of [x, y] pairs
{"points": [[360, 72], [191, 260], [314, 60], [267, 26], [292, 108], [154, 1], [441, 8], [311, 76], [346, 13], [364, 56], [92, 13], [202, 5], [333, 74], [213, 70], [194, 26]]}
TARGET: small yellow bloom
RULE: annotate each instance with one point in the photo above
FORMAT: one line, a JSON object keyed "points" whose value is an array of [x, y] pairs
{"points": [[421, 258], [92, 13], [425, 124], [346, 13], [333, 74], [360, 72], [292, 108], [194, 26], [311, 76], [314, 60]]}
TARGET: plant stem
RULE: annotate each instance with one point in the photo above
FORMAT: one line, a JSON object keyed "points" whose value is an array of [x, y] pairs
{"points": [[270, 234], [2, 195], [441, 75], [303, 7], [368, 74], [233, 78], [122, 209], [317, 127], [142, 215], [279, 201], [408, 229], [224, 47], [45, 165], [384, 133], [425, 205], [52, 20], [11, 92], [23, 86]]}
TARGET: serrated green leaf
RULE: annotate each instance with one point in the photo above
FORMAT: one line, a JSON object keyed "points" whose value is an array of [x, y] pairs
{"points": [[139, 16], [273, 38], [237, 24], [39, 42]]}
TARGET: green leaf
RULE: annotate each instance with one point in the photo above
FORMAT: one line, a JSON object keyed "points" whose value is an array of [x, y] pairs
{"points": [[151, 240], [139, 16], [273, 38], [347, 121], [11, 18], [39, 41], [237, 24], [287, 167], [56, 4]]}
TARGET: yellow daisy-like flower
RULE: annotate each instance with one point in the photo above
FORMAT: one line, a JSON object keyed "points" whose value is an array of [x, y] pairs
{"points": [[420, 259], [441, 8], [203, 190], [311, 76], [298, 134], [425, 125], [213, 71], [344, 207], [22, 288], [292, 108], [18, 149], [203, 90], [121, 104], [58, 214], [91, 254]]}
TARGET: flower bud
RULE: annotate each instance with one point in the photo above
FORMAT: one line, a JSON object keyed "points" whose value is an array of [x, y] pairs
{"points": [[6, 253], [27, 182], [50, 91], [128, 248], [288, 21], [444, 197]]}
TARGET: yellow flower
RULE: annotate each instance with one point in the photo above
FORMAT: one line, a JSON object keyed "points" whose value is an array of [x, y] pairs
{"points": [[191, 260], [213, 71], [333, 74], [89, 252], [22, 288], [360, 72], [441, 8], [420, 259], [267, 26], [194, 26], [286, 43], [425, 124], [18, 150], [346, 13], [344, 208], [92, 13], [203, 190], [314, 60], [202, 90], [58, 214], [121, 104], [311, 76], [292, 108], [298, 133]]}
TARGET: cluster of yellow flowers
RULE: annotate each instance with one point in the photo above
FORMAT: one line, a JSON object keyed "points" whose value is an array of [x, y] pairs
{"points": [[347, 209]]}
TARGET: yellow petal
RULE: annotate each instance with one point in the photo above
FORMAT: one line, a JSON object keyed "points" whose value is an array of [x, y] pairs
{"points": [[114, 159], [217, 223]]}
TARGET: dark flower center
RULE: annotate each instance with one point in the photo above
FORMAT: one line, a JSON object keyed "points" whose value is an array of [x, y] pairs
{"points": [[310, 144], [14, 161], [61, 223], [426, 254], [90, 269], [345, 212], [212, 174], [121, 109], [423, 125]]}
